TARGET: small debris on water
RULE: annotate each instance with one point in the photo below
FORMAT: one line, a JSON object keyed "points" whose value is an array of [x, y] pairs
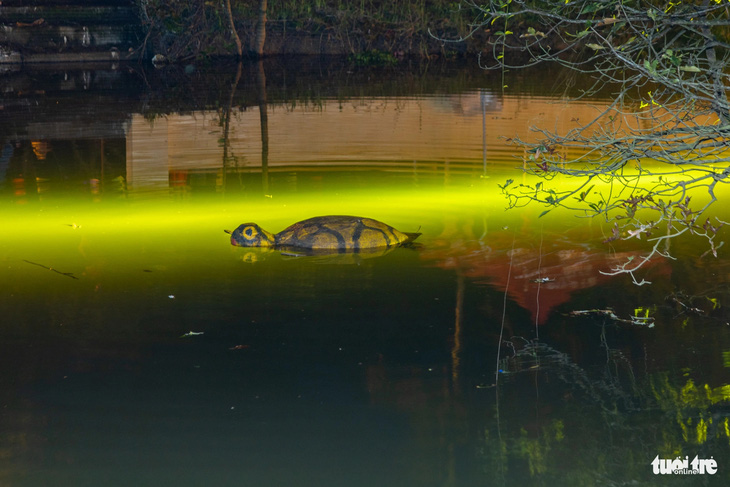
{"points": [[171, 296], [543, 279], [646, 320], [192, 334]]}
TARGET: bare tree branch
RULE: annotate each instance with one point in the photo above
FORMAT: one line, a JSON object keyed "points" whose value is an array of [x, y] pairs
{"points": [[664, 136]]}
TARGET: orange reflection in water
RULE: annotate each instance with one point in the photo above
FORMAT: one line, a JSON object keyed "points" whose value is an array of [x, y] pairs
{"points": [[40, 149], [451, 134], [538, 275]]}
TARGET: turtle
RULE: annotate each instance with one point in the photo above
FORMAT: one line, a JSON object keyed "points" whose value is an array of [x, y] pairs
{"points": [[332, 233]]}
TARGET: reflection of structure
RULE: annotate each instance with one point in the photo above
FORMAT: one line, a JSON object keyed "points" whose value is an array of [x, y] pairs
{"points": [[439, 135], [424, 135], [169, 125], [541, 278], [176, 143], [38, 166]]}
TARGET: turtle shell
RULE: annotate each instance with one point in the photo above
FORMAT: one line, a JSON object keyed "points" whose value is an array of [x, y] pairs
{"points": [[341, 233]]}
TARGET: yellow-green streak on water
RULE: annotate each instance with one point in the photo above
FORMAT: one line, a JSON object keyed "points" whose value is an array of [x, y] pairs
{"points": [[64, 231]]}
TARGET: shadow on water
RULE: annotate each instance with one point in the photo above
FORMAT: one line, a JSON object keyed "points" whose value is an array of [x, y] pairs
{"points": [[138, 347]]}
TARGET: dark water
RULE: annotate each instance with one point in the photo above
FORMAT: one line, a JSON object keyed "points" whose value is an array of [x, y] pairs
{"points": [[137, 347]]}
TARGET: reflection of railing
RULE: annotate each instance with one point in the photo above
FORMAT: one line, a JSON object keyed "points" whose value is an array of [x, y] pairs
{"points": [[450, 132]]}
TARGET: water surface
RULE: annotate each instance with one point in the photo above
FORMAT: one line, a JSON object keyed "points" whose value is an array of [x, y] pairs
{"points": [[138, 347]]}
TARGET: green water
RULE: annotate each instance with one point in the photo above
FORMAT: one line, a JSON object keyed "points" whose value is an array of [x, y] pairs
{"points": [[138, 347]]}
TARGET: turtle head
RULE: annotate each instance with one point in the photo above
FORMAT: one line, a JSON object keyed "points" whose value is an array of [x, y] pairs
{"points": [[251, 235]]}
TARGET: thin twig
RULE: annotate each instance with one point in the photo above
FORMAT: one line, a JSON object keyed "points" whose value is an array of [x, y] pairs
{"points": [[67, 274]]}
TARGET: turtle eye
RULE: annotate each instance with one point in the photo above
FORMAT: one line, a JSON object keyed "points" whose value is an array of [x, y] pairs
{"points": [[249, 232]]}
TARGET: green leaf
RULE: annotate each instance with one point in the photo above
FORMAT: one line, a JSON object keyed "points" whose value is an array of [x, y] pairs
{"points": [[595, 47], [618, 26], [585, 193], [591, 7], [580, 34], [627, 43], [544, 213], [651, 66], [531, 32], [690, 69], [506, 183]]}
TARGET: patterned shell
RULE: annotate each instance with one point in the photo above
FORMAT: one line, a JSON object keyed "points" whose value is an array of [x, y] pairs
{"points": [[342, 233]]}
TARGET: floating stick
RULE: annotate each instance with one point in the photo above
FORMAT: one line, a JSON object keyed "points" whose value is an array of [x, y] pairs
{"points": [[67, 274]]}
